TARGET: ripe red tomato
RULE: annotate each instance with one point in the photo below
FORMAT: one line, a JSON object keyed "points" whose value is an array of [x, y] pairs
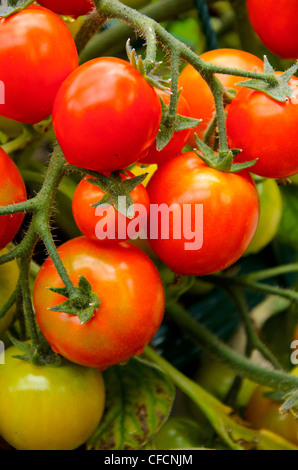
{"points": [[48, 408], [276, 23], [33, 64], [178, 140], [219, 235], [267, 130], [94, 222], [131, 310], [106, 115], [12, 190], [69, 7], [198, 94]]}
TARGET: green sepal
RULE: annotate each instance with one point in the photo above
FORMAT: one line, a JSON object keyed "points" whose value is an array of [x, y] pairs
{"points": [[42, 355], [275, 395], [14, 6], [280, 91], [25, 348], [84, 306], [114, 187]]}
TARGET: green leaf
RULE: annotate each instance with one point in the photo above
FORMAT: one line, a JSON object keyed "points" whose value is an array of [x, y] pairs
{"points": [[288, 228], [139, 400]]}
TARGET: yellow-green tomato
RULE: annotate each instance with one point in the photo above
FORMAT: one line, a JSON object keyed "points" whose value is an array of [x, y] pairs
{"points": [[179, 433], [270, 215], [48, 408], [9, 274]]}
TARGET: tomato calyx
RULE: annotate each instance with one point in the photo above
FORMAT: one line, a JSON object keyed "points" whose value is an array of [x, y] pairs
{"points": [[40, 355], [171, 124], [221, 161], [14, 7], [117, 191], [277, 87], [291, 403], [84, 304]]}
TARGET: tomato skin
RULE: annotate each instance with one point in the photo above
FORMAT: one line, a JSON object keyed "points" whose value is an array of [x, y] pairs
{"points": [[279, 31], [33, 64], [87, 194], [12, 190], [132, 303], [230, 214], [270, 215], [198, 94], [105, 115], [48, 408], [179, 139], [264, 413], [69, 7], [265, 130]]}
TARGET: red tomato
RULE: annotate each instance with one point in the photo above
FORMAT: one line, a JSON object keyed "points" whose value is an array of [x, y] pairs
{"points": [[217, 238], [198, 94], [131, 310], [12, 190], [90, 220], [33, 63], [106, 115], [265, 129], [178, 140], [69, 7], [276, 23]]}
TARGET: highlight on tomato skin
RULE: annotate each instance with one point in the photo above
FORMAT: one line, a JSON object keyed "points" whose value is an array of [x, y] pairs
{"points": [[223, 213], [131, 310], [34, 71], [101, 96]]}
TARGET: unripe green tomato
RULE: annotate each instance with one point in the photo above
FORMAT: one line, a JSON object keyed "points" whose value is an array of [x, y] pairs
{"points": [[10, 127], [48, 408], [270, 215], [9, 274], [179, 433], [136, 3]]}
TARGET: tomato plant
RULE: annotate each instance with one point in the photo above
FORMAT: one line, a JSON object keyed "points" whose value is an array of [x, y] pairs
{"points": [[197, 92], [69, 7], [95, 223], [12, 190], [48, 408], [9, 275], [261, 126], [178, 433], [33, 63], [278, 32], [270, 215], [100, 96], [186, 180], [179, 139], [123, 324]]}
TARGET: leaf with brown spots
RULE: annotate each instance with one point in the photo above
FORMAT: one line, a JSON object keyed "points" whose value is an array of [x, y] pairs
{"points": [[139, 398]]}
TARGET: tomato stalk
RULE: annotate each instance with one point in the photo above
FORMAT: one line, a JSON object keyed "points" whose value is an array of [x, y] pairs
{"points": [[229, 427]]}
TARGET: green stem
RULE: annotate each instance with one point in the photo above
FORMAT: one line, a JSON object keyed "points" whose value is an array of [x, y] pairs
{"points": [[28, 135], [220, 351], [11, 301], [271, 272]]}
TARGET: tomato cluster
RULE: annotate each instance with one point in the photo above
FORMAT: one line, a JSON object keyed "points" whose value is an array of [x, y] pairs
{"points": [[197, 219]]}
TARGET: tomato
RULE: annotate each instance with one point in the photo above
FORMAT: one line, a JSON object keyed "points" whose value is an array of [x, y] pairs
{"points": [[105, 115], [9, 275], [265, 129], [33, 63], [90, 220], [69, 7], [178, 433], [12, 190], [179, 139], [48, 408], [217, 214], [263, 413], [197, 92], [270, 215], [131, 310], [279, 31]]}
